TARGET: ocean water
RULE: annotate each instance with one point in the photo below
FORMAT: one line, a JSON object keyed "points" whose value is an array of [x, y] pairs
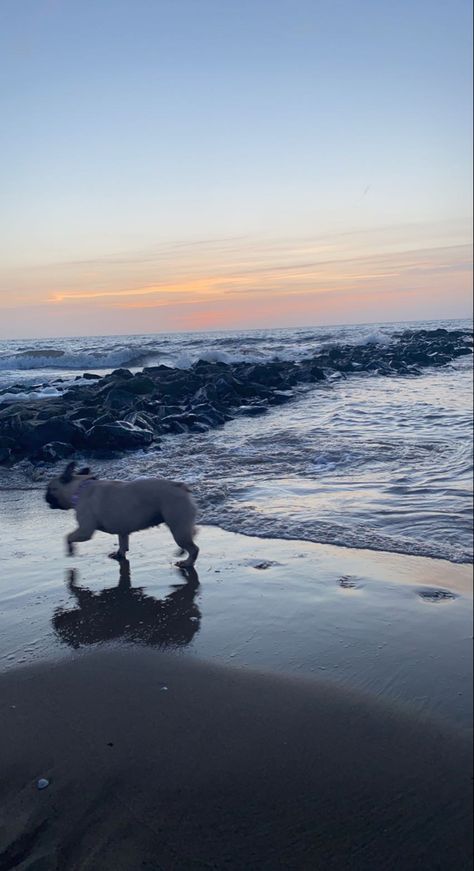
{"points": [[376, 462]]}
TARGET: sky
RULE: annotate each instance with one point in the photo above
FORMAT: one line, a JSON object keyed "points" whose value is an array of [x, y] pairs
{"points": [[170, 165]]}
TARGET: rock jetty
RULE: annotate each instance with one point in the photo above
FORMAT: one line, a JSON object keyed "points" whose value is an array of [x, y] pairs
{"points": [[122, 411]]}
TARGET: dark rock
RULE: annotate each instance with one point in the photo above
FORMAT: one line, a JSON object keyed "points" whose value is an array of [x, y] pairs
{"points": [[50, 410], [157, 370], [436, 595], [125, 374], [104, 418], [279, 397], [85, 423], [55, 451], [140, 385], [6, 441], [118, 398], [14, 389], [209, 414], [122, 411], [80, 412], [250, 390], [180, 386], [32, 435], [145, 422], [252, 410], [18, 411], [118, 436], [173, 425], [7, 445], [312, 371]]}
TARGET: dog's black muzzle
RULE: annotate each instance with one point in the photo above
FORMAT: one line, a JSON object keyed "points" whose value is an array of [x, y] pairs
{"points": [[51, 500]]}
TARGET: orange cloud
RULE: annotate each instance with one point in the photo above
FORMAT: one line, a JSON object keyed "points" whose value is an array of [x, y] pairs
{"points": [[311, 278], [243, 283]]}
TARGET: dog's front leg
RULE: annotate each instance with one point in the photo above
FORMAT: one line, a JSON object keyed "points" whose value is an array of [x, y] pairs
{"points": [[79, 534], [121, 553]]}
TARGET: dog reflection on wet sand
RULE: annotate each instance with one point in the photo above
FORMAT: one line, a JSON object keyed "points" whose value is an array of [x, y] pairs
{"points": [[127, 613]]}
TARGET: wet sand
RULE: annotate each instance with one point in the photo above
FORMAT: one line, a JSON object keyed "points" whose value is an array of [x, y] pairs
{"points": [[317, 709], [222, 769]]}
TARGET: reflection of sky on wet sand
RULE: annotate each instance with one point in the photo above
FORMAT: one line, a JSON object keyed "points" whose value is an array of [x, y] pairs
{"points": [[380, 622]]}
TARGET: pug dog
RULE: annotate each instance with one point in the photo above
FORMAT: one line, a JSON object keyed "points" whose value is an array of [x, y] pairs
{"points": [[123, 507]]}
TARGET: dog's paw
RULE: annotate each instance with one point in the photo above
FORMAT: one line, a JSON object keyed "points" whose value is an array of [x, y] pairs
{"points": [[117, 555], [189, 574], [69, 549]]}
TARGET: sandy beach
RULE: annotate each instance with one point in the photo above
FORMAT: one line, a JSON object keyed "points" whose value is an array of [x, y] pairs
{"points": [[236, 298], [291, 705], [155, 762]]}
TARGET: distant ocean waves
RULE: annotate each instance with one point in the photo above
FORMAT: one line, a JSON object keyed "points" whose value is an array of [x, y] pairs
{"points": [[36, 366]]}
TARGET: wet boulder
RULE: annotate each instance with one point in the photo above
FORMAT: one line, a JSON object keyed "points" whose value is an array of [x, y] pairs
{"points": [[178, 386], [123, 374], [188, 421], [138, 418], [156, 371], [139, 385], [7, 445], [120, 435], [172, 425], [279, 397], [82, 411], [5, 454], [31, 435], [208, 414], [252, 410], [315, 372], [54, 451], [117, 399]]}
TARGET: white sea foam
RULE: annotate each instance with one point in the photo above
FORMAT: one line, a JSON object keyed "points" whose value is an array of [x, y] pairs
{"points": [[180, 350], [376, 337], [42, 393]]}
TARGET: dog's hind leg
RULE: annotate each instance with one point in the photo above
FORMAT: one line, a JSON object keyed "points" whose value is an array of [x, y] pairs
{"points": [[192, 550], [187, 545], [121, 553]]}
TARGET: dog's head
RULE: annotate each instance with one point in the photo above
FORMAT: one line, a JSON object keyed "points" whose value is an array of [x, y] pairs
{"points": [[60, 490]]}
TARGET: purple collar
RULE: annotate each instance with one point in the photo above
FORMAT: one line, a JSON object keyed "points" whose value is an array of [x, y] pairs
{"points": [[82, 486]]}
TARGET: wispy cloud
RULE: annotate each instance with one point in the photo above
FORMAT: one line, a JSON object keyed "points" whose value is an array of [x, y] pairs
{"points": [[243, 281], [303, 277]]}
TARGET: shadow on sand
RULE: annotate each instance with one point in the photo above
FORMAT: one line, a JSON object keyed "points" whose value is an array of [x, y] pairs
{"points": [[126, 613]]}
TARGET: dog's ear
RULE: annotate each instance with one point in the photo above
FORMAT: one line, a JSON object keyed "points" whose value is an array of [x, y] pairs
{"points": [[66, 476], [84, 471]]}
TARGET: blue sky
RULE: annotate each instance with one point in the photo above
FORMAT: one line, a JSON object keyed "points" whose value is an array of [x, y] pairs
{"points": [[153, 145]]}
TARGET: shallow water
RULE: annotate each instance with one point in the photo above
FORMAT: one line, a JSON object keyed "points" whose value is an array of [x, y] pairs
{"points": [[372, 461]]}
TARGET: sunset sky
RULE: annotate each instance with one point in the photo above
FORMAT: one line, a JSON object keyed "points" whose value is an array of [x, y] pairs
{"points": [[203, 164]]}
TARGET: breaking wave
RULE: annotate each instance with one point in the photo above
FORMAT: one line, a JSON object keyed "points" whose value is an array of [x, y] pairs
{"points": [[185, 349]]}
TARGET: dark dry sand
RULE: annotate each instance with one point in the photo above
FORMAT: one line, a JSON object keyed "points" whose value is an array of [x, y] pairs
{"points": [[224, 769]]}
